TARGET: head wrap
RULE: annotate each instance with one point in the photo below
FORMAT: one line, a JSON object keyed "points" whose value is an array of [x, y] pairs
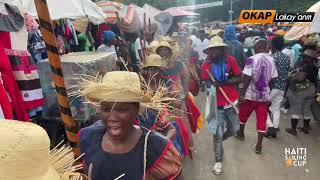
{"points": [[108, 35], [230, 34]]}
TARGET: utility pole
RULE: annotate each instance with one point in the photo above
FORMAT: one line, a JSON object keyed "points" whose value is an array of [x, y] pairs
{"points": [[251, 4], [231, 11]]}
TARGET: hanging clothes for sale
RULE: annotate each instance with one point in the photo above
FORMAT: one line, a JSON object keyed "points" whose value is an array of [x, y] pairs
{"points": [[36, 45], [5, 105], [23, 69], [66, 36], [10, 23]]}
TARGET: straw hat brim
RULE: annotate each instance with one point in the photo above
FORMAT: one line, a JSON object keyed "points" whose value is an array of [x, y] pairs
{"points": [[51, 174], [117, 96], [206, 51]]}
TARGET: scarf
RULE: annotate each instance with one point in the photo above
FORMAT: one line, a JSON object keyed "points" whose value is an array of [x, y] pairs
{"points": [[219, 69]]}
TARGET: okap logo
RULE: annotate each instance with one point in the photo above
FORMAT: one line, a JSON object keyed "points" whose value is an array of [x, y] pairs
{"points": [[257, 16], [270, 16]]}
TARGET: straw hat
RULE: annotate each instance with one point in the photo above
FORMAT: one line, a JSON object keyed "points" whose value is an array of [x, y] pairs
{"points": [[215, 32], [216, 41], [154, 60], [166, 38], [164, 44], [25, 154], [154, 46], [123, 86], [280, 33]]}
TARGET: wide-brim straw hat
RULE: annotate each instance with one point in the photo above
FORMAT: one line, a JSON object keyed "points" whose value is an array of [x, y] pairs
{"points": [[216, 41], [154, 60], [25, 154], [154, 46], [164, 44], [215, 32], [122, 86], [166, 38]]}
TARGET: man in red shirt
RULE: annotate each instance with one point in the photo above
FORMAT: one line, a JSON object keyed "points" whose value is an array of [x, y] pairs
{"points": [[227, 73]]}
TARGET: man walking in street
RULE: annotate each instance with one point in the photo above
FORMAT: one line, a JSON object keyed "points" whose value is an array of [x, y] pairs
{"points": [[278, 86], [226, 72], [258, 72]]}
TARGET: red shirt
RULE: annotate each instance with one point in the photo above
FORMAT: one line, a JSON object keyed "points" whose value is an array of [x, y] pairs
{"points": [[233, 69]]}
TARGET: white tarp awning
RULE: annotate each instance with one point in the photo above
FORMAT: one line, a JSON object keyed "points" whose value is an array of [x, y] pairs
{"points": [[61, 9], [314, 27]]}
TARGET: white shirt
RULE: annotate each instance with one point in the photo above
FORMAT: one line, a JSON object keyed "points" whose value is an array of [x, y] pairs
{"points": [[200, 46], [138, 47], [291, 54], [262, 68], [194, 40], [106, 49]]}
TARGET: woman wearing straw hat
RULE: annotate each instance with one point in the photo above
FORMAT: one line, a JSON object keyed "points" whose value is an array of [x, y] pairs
{"points": [[25, 154], [153, 119], [114, 147], [227, 74], [177, 79]]}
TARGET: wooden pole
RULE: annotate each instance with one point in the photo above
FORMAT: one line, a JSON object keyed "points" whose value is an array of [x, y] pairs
{"points": [[223, 93], [55, 63], [124, 43]]}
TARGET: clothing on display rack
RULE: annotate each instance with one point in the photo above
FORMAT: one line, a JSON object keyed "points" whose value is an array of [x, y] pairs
{"points": [[19, 73], [36, 45], [5, 105]]}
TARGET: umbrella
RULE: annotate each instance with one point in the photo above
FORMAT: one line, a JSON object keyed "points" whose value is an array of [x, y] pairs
{"points": [[179, 12], [62, 9], [162, 19], [110, 8], [314, 27]]}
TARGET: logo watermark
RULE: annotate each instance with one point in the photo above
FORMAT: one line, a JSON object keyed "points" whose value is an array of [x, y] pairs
{"points": [[295, 157], [271, 16]]}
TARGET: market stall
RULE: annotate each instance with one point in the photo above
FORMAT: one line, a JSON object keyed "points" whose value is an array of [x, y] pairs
{"points": [[73, 9]]}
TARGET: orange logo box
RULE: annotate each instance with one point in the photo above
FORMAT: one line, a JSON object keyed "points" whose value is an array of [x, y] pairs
{"points": [[257, 16]]}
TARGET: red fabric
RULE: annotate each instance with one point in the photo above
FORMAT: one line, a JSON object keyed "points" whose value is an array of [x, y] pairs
{"points": [[261, 109], [34, 104], [193, 113], [161, 157], [9, 81], [5, 104], [184, 136], [194, 87], [101, 28], [233, 69], [5, 40]]}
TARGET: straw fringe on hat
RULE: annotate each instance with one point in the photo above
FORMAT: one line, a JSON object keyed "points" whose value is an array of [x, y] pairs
{"points": [[164, 44], [166, 39], [153, 46], [122, 86], [216, 41], [154, 60], [25, 154]]}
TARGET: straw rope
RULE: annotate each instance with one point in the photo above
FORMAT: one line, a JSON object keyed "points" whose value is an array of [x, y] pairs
{"points": [[145, 155], [62, 160]]}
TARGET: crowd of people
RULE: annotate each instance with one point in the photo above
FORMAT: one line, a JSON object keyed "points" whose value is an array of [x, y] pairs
{"points": [[145, 127]]}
